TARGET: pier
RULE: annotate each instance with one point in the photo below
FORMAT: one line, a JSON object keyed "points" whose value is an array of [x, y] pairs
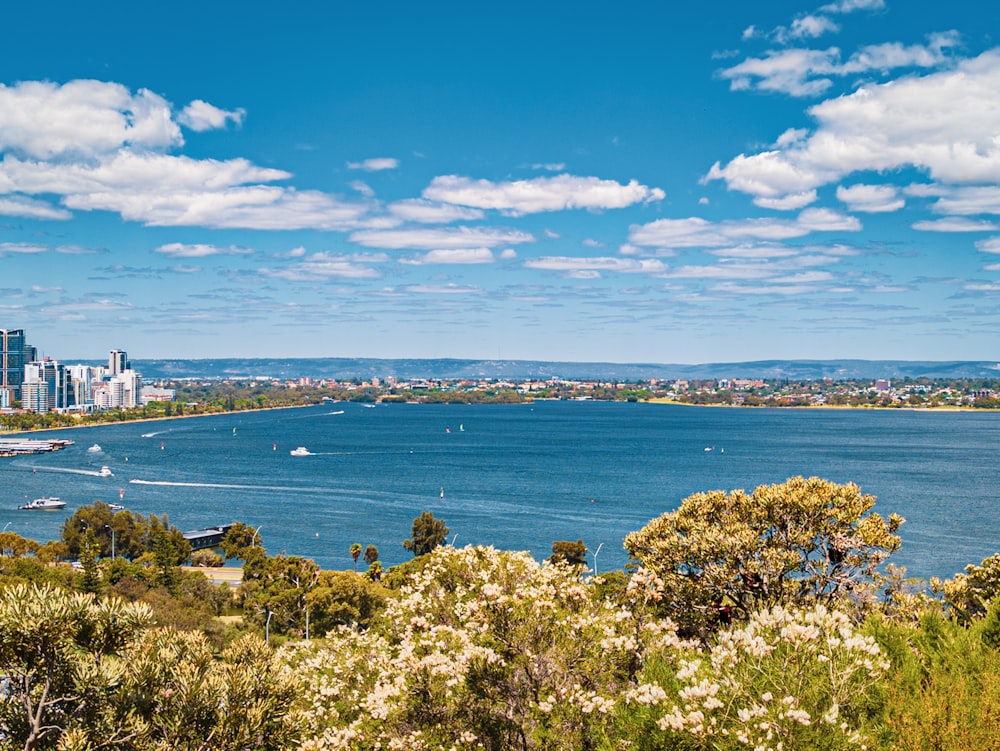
{"points": [[23, 446]]}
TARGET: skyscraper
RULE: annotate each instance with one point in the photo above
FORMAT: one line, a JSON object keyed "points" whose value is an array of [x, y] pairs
{"points": [[118, 362], [12, 361]]}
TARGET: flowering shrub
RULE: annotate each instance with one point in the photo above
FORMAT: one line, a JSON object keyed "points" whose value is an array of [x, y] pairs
{"points": [[483, 649], [785, 680]]}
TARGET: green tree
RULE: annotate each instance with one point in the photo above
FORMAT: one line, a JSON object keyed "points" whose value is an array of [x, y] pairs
{"points": [[428, 532], [371, 554], [571, 553], [803, 541], [240, 538], [356, 553], [274, 592]]}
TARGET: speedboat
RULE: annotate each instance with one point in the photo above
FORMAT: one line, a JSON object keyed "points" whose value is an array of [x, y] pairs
{"points": [[116, 507], [105, 471], [300, 451], [96, 448], [42, 504]]}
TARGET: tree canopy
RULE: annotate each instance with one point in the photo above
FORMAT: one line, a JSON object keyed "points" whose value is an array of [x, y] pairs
{"points": [[428, 532], [723, 555]]}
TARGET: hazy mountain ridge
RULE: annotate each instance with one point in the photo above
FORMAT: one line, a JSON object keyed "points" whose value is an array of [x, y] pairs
{"points": [[343, 368]]}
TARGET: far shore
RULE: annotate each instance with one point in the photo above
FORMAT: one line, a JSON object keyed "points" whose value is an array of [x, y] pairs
{"points": [[672, 402], [4, 432]]}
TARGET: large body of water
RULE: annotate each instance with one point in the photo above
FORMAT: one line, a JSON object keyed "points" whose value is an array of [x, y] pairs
{"points": [[516, 476]]}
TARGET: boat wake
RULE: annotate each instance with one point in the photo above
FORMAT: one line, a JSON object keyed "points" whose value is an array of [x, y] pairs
{"points": [[91, 472]]}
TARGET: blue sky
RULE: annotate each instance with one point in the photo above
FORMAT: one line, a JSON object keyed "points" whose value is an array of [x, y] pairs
{"points": [[637, 182]]}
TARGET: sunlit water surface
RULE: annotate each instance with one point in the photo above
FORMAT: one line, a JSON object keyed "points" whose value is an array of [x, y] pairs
{"points": [[515, 476]]}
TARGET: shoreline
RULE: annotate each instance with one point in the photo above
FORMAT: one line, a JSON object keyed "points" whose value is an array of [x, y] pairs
{"points": [[677, 403], [151, 419]]}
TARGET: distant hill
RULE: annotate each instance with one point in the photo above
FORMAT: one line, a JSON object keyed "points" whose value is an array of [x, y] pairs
{"points": [[342, 368]]}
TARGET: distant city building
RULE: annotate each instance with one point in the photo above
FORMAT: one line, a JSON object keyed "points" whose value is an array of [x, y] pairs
{"points": [[149, 394], [883, 384], [12, 360], [118, 362], [56, 379]]}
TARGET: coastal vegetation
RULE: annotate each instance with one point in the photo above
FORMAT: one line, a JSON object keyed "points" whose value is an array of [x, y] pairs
{"points": [[764, 619]]}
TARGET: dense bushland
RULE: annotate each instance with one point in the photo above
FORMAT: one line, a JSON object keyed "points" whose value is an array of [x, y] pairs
{"points": [[764, 620]]}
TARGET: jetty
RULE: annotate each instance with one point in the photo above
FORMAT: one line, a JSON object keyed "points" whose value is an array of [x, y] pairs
{"points": [[23, 446]]}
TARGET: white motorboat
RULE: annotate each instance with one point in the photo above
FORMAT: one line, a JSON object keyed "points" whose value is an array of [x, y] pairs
{"points": [[42, 504], [95, 449], [105, 471], [116, 507], [300, 451]]}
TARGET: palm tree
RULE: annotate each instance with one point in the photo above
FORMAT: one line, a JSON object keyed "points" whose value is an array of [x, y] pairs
{"points": [[355, 554]]}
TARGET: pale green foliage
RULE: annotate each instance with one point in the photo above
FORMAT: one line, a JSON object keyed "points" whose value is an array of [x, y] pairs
{"points": [[786, 679], [482, 649], [969, 594], [801, 541], [56, 648], [83, 674]]}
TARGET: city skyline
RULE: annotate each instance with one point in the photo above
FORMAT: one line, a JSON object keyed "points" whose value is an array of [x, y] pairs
{"points": [[646, 184]]}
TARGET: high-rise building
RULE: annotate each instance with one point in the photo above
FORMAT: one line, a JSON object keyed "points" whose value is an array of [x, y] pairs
{"points": [[56, 379], [12, 361], [118, 362]]}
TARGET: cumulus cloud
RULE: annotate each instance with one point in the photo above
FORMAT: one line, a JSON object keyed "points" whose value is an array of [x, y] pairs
{"points": [[200, 115], [540, 194], [955, 224], [695, 232], [440, 239], [945, 123], [98, 146], [591, 268], [43, 120], [871, 198], [989, 245], [803, 72], [451, 256], [431, 212], [374, 165], [320, 266], [180, 250], [31, 208]]}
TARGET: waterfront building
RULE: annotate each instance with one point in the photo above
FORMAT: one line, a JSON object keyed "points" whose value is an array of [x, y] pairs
{"points": [[35, 396], [149, 394]]}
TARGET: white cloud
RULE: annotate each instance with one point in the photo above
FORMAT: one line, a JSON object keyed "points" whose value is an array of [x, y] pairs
{"points": [[804, 72], [540, 194], [594, 266], [182, 269], [788, 202], [695, 232], [989, 245], [320, 266], [440, 239], [444, 289], [955, 224], [374, 165], [21, 249], [451, 256], [180, 250], [871, 198], [430, 212], [30, 208], [552, 167], [200, 115], [946, 123], [82, 119], [973, 199], [508, 254]]}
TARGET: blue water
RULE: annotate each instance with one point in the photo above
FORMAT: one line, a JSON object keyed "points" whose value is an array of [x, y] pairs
{"points": [[516, 476]]}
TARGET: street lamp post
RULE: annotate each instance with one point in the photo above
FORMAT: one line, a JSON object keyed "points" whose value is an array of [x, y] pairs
{"points": [[595, 557], [112, 540]]}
